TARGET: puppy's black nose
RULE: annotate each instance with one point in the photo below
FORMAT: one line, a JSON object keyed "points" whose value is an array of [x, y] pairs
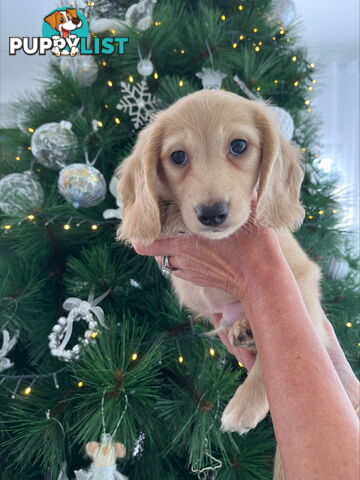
{"points": [[212, 215], [75, 21]]}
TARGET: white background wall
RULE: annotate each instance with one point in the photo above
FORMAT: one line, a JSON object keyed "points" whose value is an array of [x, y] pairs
{"points": [[330, 30]]}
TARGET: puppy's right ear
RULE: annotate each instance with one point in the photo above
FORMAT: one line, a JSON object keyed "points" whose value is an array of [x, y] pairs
{"points": [[52, 20], [137, 189]]}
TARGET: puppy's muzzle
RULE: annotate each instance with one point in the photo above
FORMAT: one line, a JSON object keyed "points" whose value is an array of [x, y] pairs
{"points": [[76, 21], [212, 215]]}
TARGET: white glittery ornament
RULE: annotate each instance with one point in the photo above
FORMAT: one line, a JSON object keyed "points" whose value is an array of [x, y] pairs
{"points": [[145, 67], [20, 192], [211, 79], [86, 310], [82, 185], [281, 11], [139, 445], [285, 121], [110, 212], [139, 15], [136, 101], [5, 349], [53, 144], [338, 269], [82, 67]]}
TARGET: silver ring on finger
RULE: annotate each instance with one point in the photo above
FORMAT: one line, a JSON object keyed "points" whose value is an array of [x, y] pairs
{"points": [[166, 268]]}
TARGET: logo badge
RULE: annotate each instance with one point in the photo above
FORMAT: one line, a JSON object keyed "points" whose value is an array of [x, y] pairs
{"points": [[65, 31], [66, 23]]}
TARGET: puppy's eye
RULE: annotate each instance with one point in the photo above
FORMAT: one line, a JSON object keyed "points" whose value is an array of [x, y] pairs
{"points": [[179, 158], [238, 146]]}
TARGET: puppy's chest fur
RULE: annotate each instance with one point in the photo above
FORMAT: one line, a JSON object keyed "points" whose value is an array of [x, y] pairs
{"points": [[208, 301]]}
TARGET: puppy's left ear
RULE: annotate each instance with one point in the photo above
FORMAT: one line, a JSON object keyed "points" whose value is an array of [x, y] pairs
{"points": [[281, 175]]}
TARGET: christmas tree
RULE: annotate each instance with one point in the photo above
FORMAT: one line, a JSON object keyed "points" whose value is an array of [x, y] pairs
{"points": [[93, 340]]}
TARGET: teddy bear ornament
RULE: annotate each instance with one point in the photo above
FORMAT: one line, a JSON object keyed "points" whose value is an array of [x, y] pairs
{"points": [[104, 455]]}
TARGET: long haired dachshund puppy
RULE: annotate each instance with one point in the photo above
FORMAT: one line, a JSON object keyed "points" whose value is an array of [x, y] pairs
{"points": [[194, 170]]}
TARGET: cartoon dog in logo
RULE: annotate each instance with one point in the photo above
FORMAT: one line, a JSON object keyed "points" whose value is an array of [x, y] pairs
{"points": [[65, 21]]}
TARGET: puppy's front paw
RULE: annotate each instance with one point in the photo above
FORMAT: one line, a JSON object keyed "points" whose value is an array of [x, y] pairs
{"points": [[240, 335], [244, 411]]}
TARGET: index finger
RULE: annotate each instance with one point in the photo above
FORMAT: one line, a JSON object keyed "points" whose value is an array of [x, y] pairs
{"points": [[161, 247]]}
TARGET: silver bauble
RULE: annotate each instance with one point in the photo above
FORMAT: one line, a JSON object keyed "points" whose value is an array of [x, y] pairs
{"points": [[338, 269], [145, 67], [53, 144], [83, 68], [281, 11], [20, 192], [82, 185], [285, 122]]}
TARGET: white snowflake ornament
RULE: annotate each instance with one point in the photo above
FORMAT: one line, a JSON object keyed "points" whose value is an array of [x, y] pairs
{"points": [[137, 102], [110, 212]]}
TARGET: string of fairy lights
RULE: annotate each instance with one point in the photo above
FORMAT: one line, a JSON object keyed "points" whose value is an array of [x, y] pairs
{"points": [[257, 46], [71, 223], [31, 379], [134, 356]]}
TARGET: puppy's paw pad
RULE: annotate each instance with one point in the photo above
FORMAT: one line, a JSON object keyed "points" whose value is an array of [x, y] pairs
{"points": [[240, 335]]}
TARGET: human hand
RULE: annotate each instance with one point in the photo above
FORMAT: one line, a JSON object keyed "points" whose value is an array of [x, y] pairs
{"points": [[228, 264]]}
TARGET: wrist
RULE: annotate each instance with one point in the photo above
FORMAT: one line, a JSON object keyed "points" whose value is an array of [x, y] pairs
{"points": [[260, 270], [264, 286]]}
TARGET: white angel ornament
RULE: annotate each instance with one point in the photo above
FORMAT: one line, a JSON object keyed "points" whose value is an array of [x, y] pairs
{"points": [[104, 455]]}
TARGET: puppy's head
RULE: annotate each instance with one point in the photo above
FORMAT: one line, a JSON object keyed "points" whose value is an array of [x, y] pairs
{"points": [[64, 20], [195, 168]]}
